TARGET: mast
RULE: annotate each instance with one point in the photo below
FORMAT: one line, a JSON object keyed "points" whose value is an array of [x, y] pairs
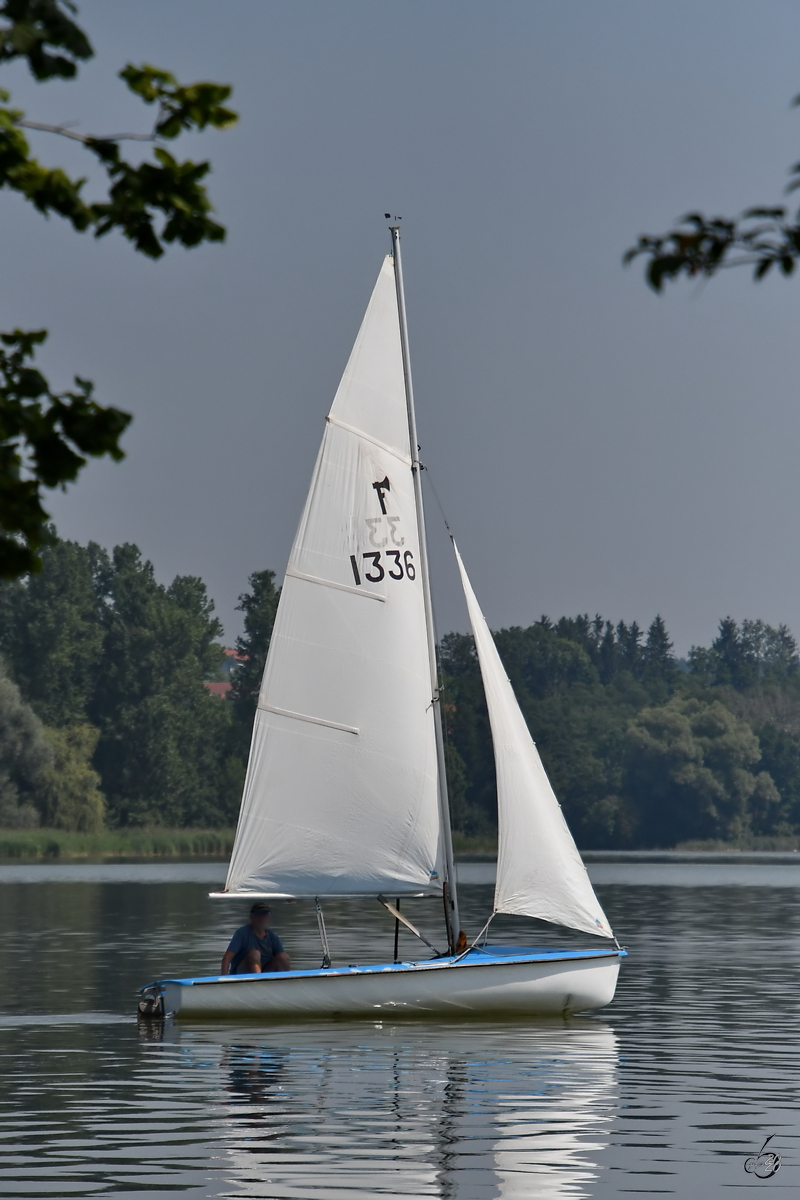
{"points": [[416, 470]]}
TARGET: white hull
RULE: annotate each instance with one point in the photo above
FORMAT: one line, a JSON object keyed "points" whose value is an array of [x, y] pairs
{"points": [[502, 981]]}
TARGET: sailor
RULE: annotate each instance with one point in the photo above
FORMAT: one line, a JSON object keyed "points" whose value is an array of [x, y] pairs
{"points": [[254, 948]]}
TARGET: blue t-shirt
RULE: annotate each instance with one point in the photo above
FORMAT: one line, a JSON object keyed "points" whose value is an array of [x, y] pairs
{"points": [[245, 940]]}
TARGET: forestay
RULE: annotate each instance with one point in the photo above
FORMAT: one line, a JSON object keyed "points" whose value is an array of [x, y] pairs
{"points": [[539, 870], [340, 796]]}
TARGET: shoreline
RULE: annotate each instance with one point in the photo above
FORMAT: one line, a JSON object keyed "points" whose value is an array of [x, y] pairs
{"points": [[50, 844]]}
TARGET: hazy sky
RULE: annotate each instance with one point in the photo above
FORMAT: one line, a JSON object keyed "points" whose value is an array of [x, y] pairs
{"points": [[597, 448]]}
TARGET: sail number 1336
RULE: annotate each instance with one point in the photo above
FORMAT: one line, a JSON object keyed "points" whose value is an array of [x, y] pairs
{"points": [[376, 566]]}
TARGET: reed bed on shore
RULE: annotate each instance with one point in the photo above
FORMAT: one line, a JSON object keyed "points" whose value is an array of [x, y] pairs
{"points": [[115, 843], [754, 842], [218, 843], [474, 845]]}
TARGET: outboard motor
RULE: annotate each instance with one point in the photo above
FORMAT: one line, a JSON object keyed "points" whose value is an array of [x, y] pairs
{"points": [[151, 1004]]}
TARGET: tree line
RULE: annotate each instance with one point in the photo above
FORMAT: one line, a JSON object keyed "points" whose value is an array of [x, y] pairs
{"points": [[104, 714], [105, 719], [642, 750]]}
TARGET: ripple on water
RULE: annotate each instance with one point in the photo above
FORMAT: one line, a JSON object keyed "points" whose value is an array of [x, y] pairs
{"points": [[341, 1110], [666, 1092]]}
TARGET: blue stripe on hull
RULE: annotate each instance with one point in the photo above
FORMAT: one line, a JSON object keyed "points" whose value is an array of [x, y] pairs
{"points": [[474, 958]]}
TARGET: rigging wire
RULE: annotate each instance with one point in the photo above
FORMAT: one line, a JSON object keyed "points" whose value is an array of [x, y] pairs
{"points": [[442, 689], [438, 501], [485, 930], [440, 506]]}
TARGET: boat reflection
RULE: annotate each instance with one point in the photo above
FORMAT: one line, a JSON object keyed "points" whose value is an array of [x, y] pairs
{"points": [[350, 1110], [549, 1142], [253, 1074]]}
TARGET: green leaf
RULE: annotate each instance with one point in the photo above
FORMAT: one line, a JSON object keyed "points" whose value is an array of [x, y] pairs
{"points": [[48, 435], [192, 106], [146, 81], [37, 27]]}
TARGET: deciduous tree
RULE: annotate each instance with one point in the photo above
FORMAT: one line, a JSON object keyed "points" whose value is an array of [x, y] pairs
{"points": [[163, 738], [25, 758], [51, 633], [691, 767], [69, 796]]}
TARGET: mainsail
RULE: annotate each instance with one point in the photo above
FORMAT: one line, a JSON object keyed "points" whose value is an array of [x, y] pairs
{"points": [[340, 796], [539, 870]]}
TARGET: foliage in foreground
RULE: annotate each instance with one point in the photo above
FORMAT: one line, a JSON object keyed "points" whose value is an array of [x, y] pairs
{"points": [[44, 435], [762, 237]]}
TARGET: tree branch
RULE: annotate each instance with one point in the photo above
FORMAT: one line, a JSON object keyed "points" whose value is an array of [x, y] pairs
{"points": [[86, 138], [761, 237]]}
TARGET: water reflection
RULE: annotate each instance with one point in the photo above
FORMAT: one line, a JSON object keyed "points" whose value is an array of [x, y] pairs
{"points": [[349, 1111], [253, 1073], [549, 1142]]}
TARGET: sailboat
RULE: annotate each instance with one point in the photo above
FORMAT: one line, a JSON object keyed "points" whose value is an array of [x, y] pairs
{"points": [[346, 789]]}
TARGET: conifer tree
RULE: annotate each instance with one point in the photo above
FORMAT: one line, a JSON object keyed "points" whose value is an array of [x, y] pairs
{"points": [[259, 605]]}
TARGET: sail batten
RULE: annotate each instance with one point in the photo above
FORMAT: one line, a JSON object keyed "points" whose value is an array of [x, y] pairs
{"points": [[347, 804], [284, 712], [404, 458], [540, 872], [343, 587]]}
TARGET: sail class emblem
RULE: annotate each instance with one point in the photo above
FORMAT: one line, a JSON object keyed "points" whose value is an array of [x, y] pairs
{"points": [[381, 487]]}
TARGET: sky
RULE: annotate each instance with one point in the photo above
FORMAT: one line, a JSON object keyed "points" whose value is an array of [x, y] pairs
{"points": [[596, 448]]}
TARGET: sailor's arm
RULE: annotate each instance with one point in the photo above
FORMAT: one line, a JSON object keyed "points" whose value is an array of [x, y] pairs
{"points": [[227, 959]]}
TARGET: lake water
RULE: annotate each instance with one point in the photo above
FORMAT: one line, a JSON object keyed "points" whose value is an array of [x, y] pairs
{"points": [[665, 1092]]}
